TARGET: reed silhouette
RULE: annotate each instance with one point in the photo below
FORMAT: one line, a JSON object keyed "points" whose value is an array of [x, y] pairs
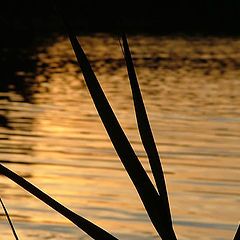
{"points": [[91, 229], [9, 220]]}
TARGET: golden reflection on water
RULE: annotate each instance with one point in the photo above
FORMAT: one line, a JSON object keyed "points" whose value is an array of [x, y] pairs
{"points": [[191, 90]]}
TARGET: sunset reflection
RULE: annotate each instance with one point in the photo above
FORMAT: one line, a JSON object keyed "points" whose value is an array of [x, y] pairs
{"points": [[57, 141]]}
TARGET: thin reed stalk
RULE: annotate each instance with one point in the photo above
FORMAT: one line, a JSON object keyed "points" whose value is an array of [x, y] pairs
{"points": [[9, 220]]}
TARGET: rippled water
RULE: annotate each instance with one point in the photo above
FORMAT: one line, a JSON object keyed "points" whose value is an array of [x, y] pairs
{"points": [[55, 139]]}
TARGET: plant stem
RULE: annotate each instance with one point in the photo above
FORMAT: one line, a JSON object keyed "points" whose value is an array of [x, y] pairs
{"points": [[9, 220]]}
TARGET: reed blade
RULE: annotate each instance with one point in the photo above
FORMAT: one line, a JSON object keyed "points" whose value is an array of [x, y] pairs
{"points": [[91, 229], [145, 130], [136, 172], [237, 235], [9, 220]]}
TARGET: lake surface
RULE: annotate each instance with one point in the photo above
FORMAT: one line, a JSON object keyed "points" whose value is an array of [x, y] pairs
{"points": [[55, 139]]}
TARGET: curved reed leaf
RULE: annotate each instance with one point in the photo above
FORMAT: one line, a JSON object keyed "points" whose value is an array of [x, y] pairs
{"points": [[145, 131], [9, 220], [237, 235], [136, 172], [91, 229]]}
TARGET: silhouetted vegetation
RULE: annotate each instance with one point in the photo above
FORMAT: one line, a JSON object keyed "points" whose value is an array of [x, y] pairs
{"points": [[9, 220]]}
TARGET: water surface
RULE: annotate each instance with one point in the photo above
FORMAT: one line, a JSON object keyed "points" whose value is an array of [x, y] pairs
{"points": [[55, 139]]}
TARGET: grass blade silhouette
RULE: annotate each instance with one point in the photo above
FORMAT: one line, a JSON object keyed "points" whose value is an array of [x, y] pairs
{"points": [[91, 229], [136, 172], [145, 131], [9, 220], [237, 235]]}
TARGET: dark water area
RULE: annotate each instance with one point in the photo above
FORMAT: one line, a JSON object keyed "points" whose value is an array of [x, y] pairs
{"points": [[155, 17], [51, 134]]}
